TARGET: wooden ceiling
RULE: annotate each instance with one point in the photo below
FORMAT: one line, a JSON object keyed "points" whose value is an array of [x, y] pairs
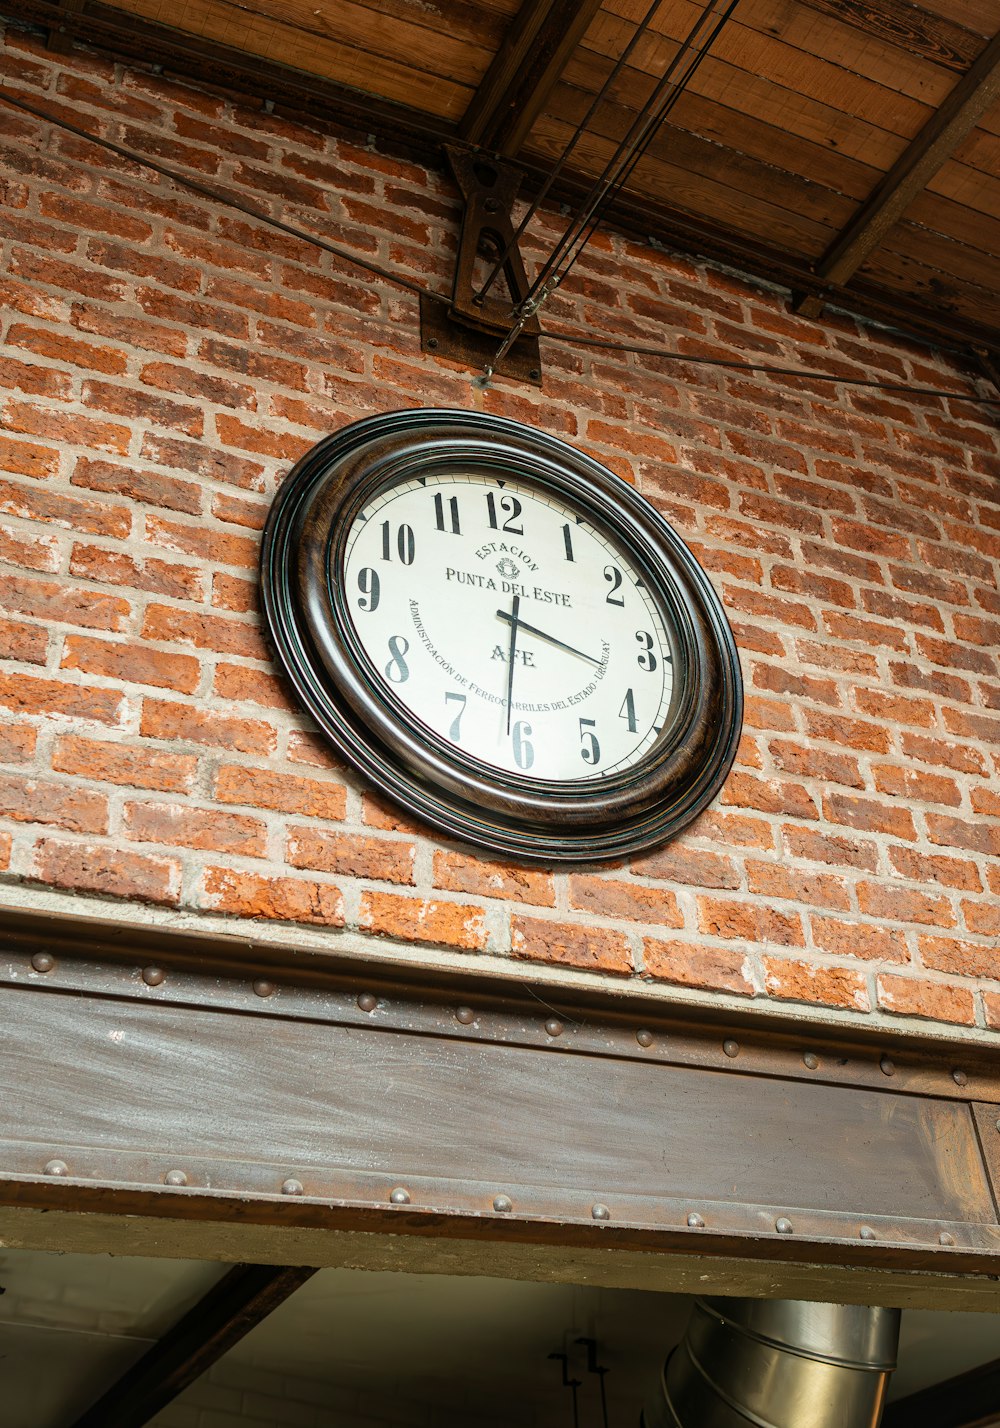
{"points": [[846, 149]]}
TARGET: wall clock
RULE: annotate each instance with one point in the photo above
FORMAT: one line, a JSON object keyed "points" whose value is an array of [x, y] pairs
{"points": [[503, 636]]}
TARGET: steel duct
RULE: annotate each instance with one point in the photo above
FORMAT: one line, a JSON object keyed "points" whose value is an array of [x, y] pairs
{"points": [[777, 1363]]}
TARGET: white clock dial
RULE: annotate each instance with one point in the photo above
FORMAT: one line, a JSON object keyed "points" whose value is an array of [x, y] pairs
{"points": [[510, 624]]}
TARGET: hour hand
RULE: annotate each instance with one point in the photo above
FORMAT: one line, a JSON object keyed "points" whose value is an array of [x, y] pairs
{"points": [[542, 635]]}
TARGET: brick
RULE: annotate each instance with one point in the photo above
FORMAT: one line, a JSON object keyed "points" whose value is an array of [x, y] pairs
{"points": [[769, 796], [796, 981], [800, 686], [113, 567], [773, 880], [978, 835], [749, 922], [891, 607], [806, 762], [769, 607], [955, 656], [131, 663], [714, 969], [567, 945], [899, 904], [51, 507], [849, 733], [162, 719], [30, 800], [794, 581], [281, 792], [895, 708], [690, 866], [351, 855], [733, 830], [172, 625], [866, 940], [25, 643], [17, 743], [855, 535], [819, 847], [219, 547], [949, 872], [959, 958], [73, 429], [280, 899], [63, 604], [932, 1001], [944, 686], [126, 764], [457, 872], [868, 815], [306, 748], [612, 897], [178, 825], [252, 686], [149, 488], [51, 697], [231, 592], [983, 917], [914, 785], [943, 753], [867, 633], [407, 919], [92, 356], [96, 868]]}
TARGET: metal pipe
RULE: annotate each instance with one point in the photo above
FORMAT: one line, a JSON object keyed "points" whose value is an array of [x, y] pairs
{"points": [[777, 1363]]}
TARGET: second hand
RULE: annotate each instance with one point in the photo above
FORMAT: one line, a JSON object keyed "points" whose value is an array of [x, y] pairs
{"points": [[512, 650]]}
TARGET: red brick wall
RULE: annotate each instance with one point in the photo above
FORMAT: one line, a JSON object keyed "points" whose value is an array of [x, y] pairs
{"points": [[164, 360]]}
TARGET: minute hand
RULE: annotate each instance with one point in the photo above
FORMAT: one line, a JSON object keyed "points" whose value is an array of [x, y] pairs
{"points": [[542, 635]]}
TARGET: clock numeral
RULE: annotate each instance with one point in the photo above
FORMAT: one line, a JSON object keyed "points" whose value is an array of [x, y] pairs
{"points": [[455, 732], [509, 505], [405, 543], [627, 711], [369, 585], [647, 659], [591, 750], [397, 669], [524, 753], [567, 540], [614, 578], [439, 512]]}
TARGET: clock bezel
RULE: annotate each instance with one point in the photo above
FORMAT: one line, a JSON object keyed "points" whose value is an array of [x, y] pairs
{"points": [[550, 821]]}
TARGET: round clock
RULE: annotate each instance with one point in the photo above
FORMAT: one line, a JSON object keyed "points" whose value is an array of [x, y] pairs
{"points": [[502, 635]]}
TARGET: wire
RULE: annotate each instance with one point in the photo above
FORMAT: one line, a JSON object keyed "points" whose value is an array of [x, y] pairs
{"points": [[572, 339], [579, 339], [247, 209]]}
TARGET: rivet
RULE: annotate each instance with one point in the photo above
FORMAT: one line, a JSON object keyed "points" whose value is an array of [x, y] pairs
{"points": [[554, 1026], [695, 1221], [783, 1226], [43, 961], [887, 1066], [291, 1187], [264, 989], [731, 1048], [811, 1060], [945, 1239], [644, 1038], [153, 976], [432, 343], [399, 1196], [600, 1212], [535, 373], [867, 1233], [56, 1167], [175, 1177], [465, 1015], [367, 1002], [503, 1204], [959, 1077]]}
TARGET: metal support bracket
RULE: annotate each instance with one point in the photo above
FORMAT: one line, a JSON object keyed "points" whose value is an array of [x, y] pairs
{"points": [[475, 325]]}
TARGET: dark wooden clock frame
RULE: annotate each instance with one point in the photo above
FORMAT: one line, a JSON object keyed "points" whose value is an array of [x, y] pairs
{"points": [[306, 608]]}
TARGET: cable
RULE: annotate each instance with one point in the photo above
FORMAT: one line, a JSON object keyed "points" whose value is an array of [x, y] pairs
{"points": [[572, 339], [248, 210]]}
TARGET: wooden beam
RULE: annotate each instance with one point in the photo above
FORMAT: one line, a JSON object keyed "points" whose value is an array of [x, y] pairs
{"points": [[973, 95], [243, 1297], [513, 92], [970, 1400]]}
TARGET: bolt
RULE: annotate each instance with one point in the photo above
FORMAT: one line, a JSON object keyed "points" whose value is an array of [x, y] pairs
{"points": [[56, 1167], [811, 1060], [695, 1221], [492, 205], [264, 989], [43, 961], [600, 1212], [503, 1204], [959, 1077], [731, 1048], [153, 976], [887, 1066], [554, 1026], [783, 1226], [432, 343], [535, 375], [644, 1038], [367, 1002], [867, 1233], [465, 1015], [945, 1239], [175, 1177], [291, 1187], [399, 1196]]}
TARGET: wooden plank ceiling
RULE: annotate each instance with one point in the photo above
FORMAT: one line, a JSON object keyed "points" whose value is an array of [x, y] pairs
{"points": [[848, 148]]}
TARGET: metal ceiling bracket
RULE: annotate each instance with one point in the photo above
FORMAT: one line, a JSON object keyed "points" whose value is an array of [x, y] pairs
{"points": [[476, 323]]}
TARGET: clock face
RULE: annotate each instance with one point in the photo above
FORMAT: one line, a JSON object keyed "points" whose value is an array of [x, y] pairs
{"points": [[510, 624], [505, 638]]}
